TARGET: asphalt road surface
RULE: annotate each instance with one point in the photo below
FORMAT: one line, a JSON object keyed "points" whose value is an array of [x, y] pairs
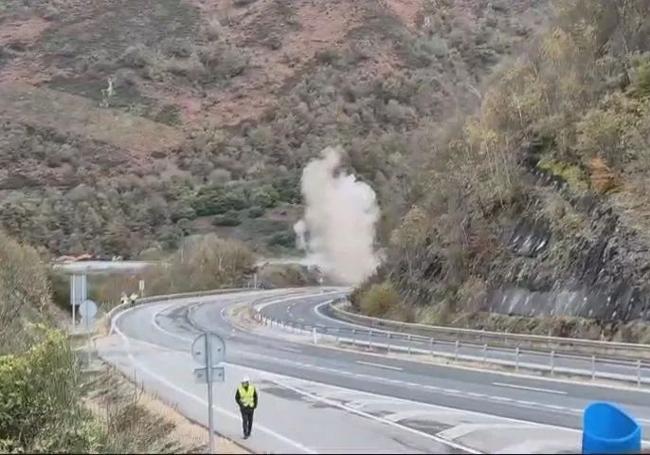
{"points": [[314, 313], [316, 399]]}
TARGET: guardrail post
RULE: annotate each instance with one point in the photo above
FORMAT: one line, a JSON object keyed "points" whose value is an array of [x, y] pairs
{"points": [[485, 353], [431, 347], [638, 373], [593, 367], [388, 343], [338, 335], [370, 339], [354, 340], [313, 331], [456, 346], [552, 362], [409, 340], [517, 358]]}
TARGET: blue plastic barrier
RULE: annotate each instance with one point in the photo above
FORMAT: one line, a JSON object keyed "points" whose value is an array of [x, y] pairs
{"points": [[608, 429]]}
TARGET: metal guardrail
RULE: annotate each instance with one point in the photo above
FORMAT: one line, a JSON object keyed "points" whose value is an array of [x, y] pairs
{"points": [[559, 344], [636, 372]]}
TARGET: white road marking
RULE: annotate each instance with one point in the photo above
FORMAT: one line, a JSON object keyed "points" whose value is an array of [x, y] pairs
{"points": [[474, 394], [495, 398], [317, 310], [526, 403], [379, 365], [554, 406], [524, 387], [180, 390], [379, 419], [288, 349]]}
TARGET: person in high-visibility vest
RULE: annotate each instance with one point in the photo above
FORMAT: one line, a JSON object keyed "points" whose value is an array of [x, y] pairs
{"points": [[246, 398]]}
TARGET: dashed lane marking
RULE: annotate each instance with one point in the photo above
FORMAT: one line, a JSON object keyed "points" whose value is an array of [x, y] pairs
{"points": [[534, 389], [379, 365]]}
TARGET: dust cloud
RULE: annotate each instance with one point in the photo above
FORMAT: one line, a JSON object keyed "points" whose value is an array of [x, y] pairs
{"points": [[338, 228]]}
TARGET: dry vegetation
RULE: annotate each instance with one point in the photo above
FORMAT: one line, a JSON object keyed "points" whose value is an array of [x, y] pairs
{"points": [[473, 120], [139, 423], [560, 144], [255, 88], [42, 407]]}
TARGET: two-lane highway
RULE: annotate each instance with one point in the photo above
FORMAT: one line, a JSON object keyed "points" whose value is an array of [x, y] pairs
{"points": [[318, 314], [318, 399]]}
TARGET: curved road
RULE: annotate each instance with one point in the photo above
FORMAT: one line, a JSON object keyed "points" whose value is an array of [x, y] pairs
{"points": [[315, 398]]}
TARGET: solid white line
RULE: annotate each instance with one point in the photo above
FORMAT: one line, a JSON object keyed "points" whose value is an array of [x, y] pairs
{"points": [[379, 419], [524, 387], [402, 400], [379, 365], [180, 390]]}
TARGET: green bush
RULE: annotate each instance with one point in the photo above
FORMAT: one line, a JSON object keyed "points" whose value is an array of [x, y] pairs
{"points": [[227, 219], [288, 189], [266, 197], [39, 400], [379, 299], [216, 200], [641, 85], [255, 212], [286, 239]]}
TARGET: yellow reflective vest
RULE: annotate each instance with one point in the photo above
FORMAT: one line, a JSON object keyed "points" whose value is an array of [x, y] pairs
{"points": [[247, 396]]}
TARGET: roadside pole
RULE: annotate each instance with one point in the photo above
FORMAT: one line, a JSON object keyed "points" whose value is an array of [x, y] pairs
{"points": [[209, 350], [208, 356], [88, 310], [73, 299]]}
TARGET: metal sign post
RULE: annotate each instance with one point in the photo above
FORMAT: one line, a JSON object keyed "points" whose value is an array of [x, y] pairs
{"points": [[88, 310], [73, 300], [141, 288], [209, 350], [78, 295]]}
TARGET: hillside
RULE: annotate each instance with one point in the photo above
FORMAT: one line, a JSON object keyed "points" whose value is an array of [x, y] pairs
{"points": [[537, 209], [126, 126]]}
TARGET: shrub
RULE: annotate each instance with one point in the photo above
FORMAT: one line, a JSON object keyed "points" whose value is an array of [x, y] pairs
{"points": [[39, 403], [216, 200], [265, 197], [204, 262], [255, 212], [24, 290], [227, 219], [191, 68], [137, 56], [379, 299], [286, 239], [641, 87]]}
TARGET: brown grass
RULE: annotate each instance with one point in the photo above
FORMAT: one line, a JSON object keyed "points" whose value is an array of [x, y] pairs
{"points": [[23, 32], [143, 422], [81, 117]]}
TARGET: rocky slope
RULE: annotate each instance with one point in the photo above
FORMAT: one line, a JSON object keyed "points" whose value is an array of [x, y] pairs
{"points": [[538, 207]]}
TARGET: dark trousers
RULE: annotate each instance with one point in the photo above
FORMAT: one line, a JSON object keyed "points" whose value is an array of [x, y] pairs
{"points": [[247, 419]]}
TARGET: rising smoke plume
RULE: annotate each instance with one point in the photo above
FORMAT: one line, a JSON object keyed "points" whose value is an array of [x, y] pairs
{"points": [[338, 228]]}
